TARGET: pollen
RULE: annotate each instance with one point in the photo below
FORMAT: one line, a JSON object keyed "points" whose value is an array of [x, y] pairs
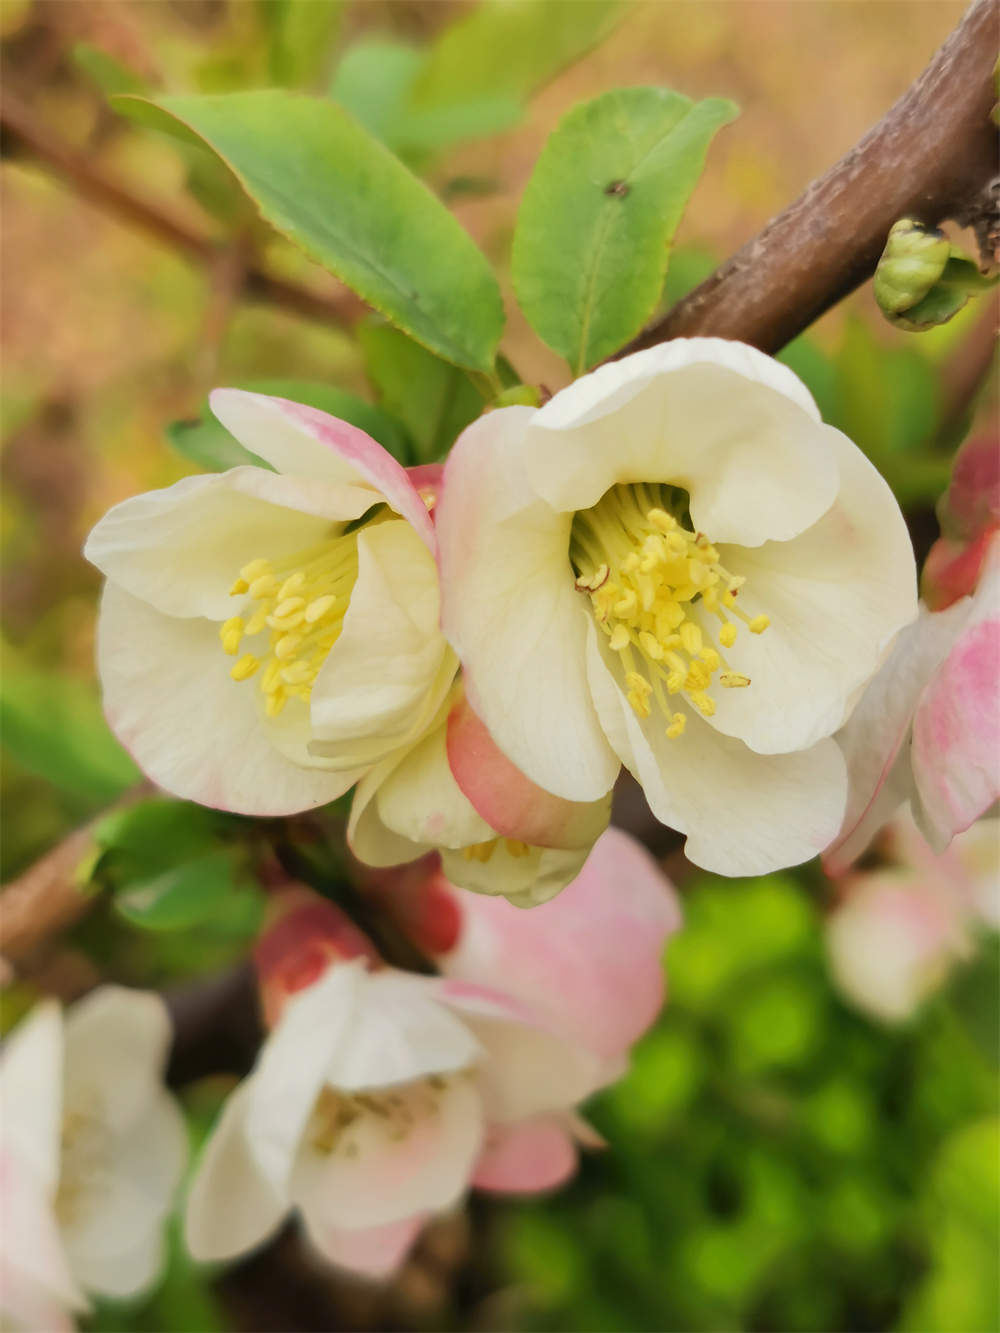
{"points": [[293, 616], [660, 593]]}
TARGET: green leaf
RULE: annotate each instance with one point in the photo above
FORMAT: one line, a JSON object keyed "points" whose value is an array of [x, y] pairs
{"points": [[433, 399], [328, 185], [505, 49], [303, 33], [160, 831], [207, 442], [599, 214], [181, 897], [106, 73], [54, 727]]}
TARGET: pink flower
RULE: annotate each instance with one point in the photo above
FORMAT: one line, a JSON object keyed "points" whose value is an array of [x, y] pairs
{"points": [[900, 929], [927, 729], [969, 512], [380, 1097]]}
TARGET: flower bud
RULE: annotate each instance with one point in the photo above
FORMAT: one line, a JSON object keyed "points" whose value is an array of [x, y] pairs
{"points": [[912, 261]]}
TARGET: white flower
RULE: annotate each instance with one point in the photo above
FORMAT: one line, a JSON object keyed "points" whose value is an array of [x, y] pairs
{"points": [[376, 1101], [496, 831], [92, 1148], [266, 637], [927, 730], [676, 566]]}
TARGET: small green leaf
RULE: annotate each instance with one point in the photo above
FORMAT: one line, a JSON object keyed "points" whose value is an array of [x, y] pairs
{"points": [[181, 897], [433, 399], [328, 185], [207, 442], [303, 33], [148, 831], [53, 726], [505, 49], [599, 214], [106, 73]]}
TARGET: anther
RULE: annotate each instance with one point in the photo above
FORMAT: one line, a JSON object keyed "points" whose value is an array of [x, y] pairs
{"points": [[677, 724], [759, 624], [732, 680], [317, 609], [245, 667], [727, 635], [620, 639]]}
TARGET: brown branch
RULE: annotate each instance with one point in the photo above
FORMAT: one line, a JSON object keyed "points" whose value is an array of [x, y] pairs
{"points": [[18, 120], [931, 157]]}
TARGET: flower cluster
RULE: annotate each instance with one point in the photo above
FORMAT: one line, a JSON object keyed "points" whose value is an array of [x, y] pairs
{"points": [[672, 565]]}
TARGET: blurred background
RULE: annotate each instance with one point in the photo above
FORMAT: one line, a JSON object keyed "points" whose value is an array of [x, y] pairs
{"points": [[779, 1159]]}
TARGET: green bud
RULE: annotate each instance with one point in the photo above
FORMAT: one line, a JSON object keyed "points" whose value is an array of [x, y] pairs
{"points": [[519, 395], [913, 260]]}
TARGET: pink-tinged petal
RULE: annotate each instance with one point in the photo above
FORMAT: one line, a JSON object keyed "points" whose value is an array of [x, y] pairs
{"points": [[874, 739], [891, 942], [971, 504], [511, 803], [195, 732], [231, 1206], [956, 735], [428, 478], [382, 1169], [374, 1252], [389, 671], [34, 1272], [513, 615], [524, 1159], [733, 427], [589, 963], [744, 813], [31, 1095], [180, 549], [303, 441], [952, 569]]}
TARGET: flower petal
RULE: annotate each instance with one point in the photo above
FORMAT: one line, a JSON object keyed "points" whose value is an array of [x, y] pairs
{"points": [[231, 1206], [526, 877], [736, 429], [31, 1076], [590, 962], [874, 738], [513, 805], [389, 671], [34, 1274], [374, 1252], [197, 733], [306, 442], [510, 610], [116, 1039], [956, 729], [744, 813], [836, 596], [523, 1159], [181, 548], [376, 1175]]}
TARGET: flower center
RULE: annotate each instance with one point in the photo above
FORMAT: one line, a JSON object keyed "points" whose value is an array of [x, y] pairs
{"points": [[483, 851], [299, 603], [85, 1161], [645, 573], [337, 1115]]}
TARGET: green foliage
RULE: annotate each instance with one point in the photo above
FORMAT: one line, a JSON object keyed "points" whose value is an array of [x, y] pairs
{"points": [[434, 400], [922, 279], [184, 896], [53, 726], [504, 49], [106, 73], [302, 35], [374, 82], [774, 1162], [600, 212], [207, 442], [327, 184]]}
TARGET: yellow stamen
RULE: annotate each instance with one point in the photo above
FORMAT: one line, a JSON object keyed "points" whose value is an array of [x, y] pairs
{"points": [[657, 590], [245, 667]]}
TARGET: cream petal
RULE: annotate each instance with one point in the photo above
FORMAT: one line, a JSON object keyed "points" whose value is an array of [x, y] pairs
{"points": [[836, 596], [231, 1206], [34, 1273], [374, 1252], [523, 1159], [304, 441], [368, 837], [526, 878], [387, 674], [31, 1075], [117, 1041], [744, 813], [377, 1174], [510, 610], [197, 733], [180, 549], [736, 429], [294, 1064], [875, 737]]}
